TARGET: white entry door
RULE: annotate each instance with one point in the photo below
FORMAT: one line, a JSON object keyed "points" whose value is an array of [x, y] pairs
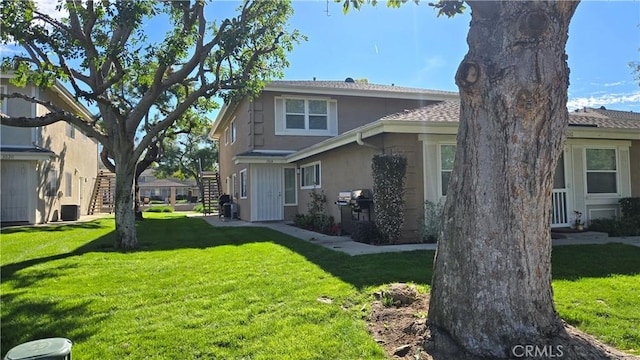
{"points": [[15, 191], [559, 197], [266, 193]]}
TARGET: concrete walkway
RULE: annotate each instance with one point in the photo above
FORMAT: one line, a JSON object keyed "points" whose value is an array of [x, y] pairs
{"points": [[346, 245]]}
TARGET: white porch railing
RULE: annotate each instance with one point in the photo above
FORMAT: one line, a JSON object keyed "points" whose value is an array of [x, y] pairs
{"points": [[559, 213]]}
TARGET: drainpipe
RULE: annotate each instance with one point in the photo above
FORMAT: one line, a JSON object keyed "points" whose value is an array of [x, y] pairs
{"points": [[362, 143]]}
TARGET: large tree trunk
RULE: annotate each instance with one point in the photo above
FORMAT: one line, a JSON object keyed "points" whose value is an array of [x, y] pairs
{"points": [[125, 209], [491, 288]]}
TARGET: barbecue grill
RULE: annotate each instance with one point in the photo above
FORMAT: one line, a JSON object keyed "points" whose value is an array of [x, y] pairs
{"points": [[352, 204]]}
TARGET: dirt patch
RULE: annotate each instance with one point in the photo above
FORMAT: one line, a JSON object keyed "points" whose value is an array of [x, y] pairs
{"points": [[398, 323]]}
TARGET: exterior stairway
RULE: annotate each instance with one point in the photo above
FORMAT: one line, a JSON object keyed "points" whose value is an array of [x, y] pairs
{"points": [[103, 195], [210, 192]]}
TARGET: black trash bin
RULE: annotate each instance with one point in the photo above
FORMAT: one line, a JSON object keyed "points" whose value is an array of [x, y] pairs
{"points": [[226, 210], [44, 349]]}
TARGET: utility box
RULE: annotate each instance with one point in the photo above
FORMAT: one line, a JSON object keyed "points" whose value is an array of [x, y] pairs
{"points": [[69, 212], [43, 349]]}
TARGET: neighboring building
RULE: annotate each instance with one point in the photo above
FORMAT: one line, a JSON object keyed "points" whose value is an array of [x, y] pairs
{"points": [[168, 190], [47, 168], [271, 178]]}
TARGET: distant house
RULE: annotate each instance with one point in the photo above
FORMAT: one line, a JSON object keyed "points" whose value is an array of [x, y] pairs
{"points": [[167, 190], [301, 136], [49, 171]]}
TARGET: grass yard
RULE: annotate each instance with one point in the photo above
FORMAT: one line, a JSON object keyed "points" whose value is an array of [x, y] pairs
{"points": [[198, 292]]}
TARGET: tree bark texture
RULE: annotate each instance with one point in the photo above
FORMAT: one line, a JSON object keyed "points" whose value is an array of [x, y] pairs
{"points": [[491, 288], [125, 207]]}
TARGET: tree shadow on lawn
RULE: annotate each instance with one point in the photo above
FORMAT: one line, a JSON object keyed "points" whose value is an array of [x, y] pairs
{"points": [[569, 262], [30, 319]]}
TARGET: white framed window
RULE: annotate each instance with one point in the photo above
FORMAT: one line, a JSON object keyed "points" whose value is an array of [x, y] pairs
{"points": [[306, 116], [71, 131], [68, 184], [233, 130], [226, 136], [601, 170], [243, 184], [445, 160], [310, 176], [234, 190], [290, 191]]}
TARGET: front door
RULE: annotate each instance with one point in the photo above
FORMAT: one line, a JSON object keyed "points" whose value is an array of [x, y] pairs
{"points": [[266, 187], [15, 191], [559, 201]]}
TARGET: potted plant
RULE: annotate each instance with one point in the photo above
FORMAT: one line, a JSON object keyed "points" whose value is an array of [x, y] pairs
{"points": [[577, 223]]}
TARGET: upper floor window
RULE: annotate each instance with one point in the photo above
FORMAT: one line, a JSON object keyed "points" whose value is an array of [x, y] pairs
{"points": [[226, 136], [306, 116], [447, 155], [602, 171], [71, 131], [310, 176], [233, 131]]}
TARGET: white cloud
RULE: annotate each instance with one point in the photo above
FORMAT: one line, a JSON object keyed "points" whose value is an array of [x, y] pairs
{"points": [[617, 83], [629, 99]]}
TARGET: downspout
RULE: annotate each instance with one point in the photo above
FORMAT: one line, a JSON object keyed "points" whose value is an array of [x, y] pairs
{"points": [[362, 143]]}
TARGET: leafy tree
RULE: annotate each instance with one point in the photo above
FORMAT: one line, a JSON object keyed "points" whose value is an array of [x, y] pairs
{"points": [[107, 54], [188, 154], [491, 288]]}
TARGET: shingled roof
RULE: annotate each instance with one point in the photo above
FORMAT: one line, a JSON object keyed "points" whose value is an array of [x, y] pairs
{"points": [[449, 112], [324, 85]]}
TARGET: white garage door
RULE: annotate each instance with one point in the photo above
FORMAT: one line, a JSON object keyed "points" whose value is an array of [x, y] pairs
{"points": [[14, 191]]}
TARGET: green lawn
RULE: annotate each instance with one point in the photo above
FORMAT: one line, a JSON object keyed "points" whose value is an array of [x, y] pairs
{"points": [[197, 292]]}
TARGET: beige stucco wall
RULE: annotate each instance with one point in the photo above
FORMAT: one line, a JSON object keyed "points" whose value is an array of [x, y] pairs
{"points": [[353, 112], [634, 157], [349, 168]]}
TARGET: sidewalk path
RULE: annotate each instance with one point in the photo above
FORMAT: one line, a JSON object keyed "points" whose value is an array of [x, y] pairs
{"points": [[346, 245]]}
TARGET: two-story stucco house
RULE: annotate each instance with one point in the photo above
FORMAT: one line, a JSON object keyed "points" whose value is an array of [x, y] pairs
{"points": [[272, 154], [257, 137], [44, 168]]}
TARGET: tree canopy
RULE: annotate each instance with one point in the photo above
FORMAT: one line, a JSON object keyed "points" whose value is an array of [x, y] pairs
{"points": [[109, 55]]}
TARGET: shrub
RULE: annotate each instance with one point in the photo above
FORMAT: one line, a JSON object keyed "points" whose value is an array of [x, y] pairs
{"points": [[429, 222], [321, 223], [616, 226], [630, 207], [316, 220], [366, 232], [200, 208], [388, 194], [160, 209]]}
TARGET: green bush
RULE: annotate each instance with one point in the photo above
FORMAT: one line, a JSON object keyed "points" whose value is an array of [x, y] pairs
{"points": [[160, 209], [367, 232], [321, 223], [630, 207], [617, 226], [389, 172], [200, 208], [429, 222]]}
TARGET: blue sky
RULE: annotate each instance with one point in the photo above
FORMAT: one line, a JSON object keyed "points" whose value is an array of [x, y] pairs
{"points": [[412, 47]]}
